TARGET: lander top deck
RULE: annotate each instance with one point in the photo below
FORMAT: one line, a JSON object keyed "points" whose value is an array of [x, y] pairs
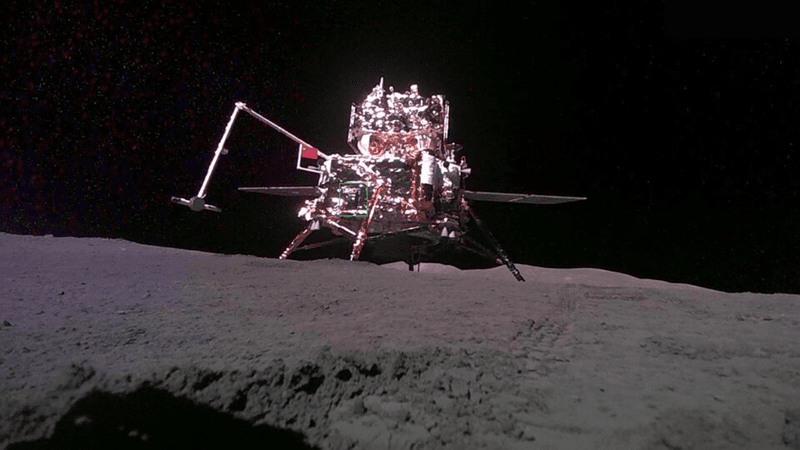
{"points": [[399, 123]]}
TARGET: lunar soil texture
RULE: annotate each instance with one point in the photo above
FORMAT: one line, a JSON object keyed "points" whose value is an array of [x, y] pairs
{"points": [[112, 344]]}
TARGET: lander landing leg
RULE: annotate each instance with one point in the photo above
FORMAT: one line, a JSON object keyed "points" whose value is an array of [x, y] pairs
{"points": [[361, 237], [415, 258], [297, 240], [501, 254]]}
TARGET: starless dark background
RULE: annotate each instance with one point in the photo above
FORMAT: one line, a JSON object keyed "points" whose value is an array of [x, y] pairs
{"points": [[681, 128]]}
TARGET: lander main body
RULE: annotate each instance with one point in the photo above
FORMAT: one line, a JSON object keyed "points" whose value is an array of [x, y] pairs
{"points": [[403, 183]]}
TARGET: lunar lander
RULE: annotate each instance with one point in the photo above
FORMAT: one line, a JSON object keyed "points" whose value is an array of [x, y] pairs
{"points": [[401, 189]]}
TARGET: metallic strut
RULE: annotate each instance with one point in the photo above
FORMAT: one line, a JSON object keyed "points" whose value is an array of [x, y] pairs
{"points": [[220, 151], [499, 250], [479, 249], [362, 232], [322, 244], [276, 127], [345, 229], [297, 240]]}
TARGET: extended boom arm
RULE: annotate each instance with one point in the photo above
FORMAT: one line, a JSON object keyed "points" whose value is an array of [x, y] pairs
{"points": [[197, 203]]}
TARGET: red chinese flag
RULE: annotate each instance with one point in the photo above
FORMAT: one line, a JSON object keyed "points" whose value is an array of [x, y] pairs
{"points": [[308, 152]]}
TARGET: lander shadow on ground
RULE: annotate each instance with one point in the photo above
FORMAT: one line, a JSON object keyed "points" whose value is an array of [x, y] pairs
{"points": [[328, 246], [151, 418]]}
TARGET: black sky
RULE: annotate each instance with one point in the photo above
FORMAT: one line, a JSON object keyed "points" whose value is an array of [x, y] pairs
{"points": [[683, 136]]}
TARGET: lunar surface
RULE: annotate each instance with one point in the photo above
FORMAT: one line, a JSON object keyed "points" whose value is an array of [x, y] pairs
{"points": [[111, 344]]}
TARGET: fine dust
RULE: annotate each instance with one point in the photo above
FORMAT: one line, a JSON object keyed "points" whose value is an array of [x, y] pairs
{"points": [[108, 343]]}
